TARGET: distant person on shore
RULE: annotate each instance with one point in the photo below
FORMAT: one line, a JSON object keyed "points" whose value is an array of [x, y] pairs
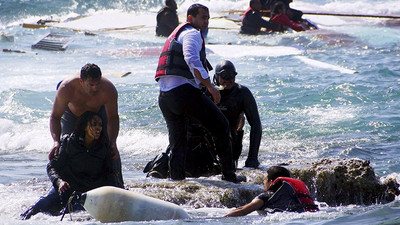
{"points": [[87, 92], [281, 193], [279, 16], [167, 19], [182, 70], [252, 21], [83, 163], [236, 101]]}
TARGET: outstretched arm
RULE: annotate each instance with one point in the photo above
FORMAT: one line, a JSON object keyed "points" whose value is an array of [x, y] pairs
{"points": [[246, 209]]}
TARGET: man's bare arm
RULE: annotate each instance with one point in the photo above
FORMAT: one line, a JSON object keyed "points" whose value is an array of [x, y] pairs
{"points": [[113, 119], [59, 106]]}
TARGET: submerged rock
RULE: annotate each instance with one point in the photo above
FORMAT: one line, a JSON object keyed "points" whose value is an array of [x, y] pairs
{"points": [[332, 181]]}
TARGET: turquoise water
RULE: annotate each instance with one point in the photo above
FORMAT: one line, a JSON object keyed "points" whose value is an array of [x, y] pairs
{"points": [[307, 112]]}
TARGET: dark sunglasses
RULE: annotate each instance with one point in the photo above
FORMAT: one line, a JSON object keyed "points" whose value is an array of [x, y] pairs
{"points": [[227, 75]]}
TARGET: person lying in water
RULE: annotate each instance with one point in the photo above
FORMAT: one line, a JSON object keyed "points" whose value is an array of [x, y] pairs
{"points": [[282, 193], [280, 15], [84, 163], [252, 21]]}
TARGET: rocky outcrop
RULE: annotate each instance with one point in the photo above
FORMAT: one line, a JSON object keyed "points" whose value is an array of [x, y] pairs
{"points": [[333, 181], [343, 182]]}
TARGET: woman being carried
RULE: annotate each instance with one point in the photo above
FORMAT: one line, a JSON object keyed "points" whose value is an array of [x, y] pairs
{"points": [[83, 163]]}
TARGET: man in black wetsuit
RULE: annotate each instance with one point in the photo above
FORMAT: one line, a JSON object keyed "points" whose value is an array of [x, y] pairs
{"points": [[167, 19], [252, 21], [236, 101]]}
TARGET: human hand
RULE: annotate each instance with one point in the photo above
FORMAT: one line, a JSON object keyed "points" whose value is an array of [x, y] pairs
{"points": [[54, 150], [115, 151], [63, 186], [241, 123]]}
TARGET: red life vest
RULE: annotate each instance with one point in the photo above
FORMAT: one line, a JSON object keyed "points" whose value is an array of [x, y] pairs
{"points": [[172, 61], [285, 21], [245, 13], [302, 192]]}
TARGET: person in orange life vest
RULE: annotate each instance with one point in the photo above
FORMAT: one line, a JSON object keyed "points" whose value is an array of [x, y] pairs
{"points": [[182, 69], [282, 193], [280, 17], [167, 19], [252, 22]]}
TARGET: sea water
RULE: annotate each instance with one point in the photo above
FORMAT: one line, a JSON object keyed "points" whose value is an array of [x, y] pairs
{"points": [[308, 112]]}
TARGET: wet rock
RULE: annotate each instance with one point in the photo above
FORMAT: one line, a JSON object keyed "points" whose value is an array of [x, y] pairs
{"points": [[333, 181], [343, 182]]}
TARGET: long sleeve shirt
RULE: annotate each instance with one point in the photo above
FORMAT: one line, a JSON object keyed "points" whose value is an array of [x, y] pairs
{"points": [[192, 43]]}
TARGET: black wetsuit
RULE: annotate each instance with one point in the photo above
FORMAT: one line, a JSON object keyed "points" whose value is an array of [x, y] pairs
{"points": [[234, 103], [84, 169], [167, 21], [253, 22]]}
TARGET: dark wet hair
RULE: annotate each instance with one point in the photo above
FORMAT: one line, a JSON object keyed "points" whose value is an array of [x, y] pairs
{"points": [[252, 2], [169, 2], [84, 120], [277, 171], [193, 10], [278, 7], [91, 71]]}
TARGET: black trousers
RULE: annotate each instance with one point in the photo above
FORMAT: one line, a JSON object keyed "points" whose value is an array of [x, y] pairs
{"points": [[186, 101]]}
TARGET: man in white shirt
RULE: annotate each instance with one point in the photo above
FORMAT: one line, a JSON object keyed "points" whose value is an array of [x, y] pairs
{"points": [[182, 69]]}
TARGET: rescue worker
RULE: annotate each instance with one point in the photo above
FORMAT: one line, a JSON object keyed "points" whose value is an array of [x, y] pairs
{"points": [[182, 69], [282, 193], [236, 101]]}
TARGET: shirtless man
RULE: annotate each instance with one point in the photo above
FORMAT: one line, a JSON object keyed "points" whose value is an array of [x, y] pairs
{"points": [[78, 94]]}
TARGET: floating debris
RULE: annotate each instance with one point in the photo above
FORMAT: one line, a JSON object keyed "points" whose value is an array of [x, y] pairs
{"points": [[54, 42]]}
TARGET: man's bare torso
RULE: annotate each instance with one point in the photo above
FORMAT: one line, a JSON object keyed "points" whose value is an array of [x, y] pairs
{"points": [[79, 101]]}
